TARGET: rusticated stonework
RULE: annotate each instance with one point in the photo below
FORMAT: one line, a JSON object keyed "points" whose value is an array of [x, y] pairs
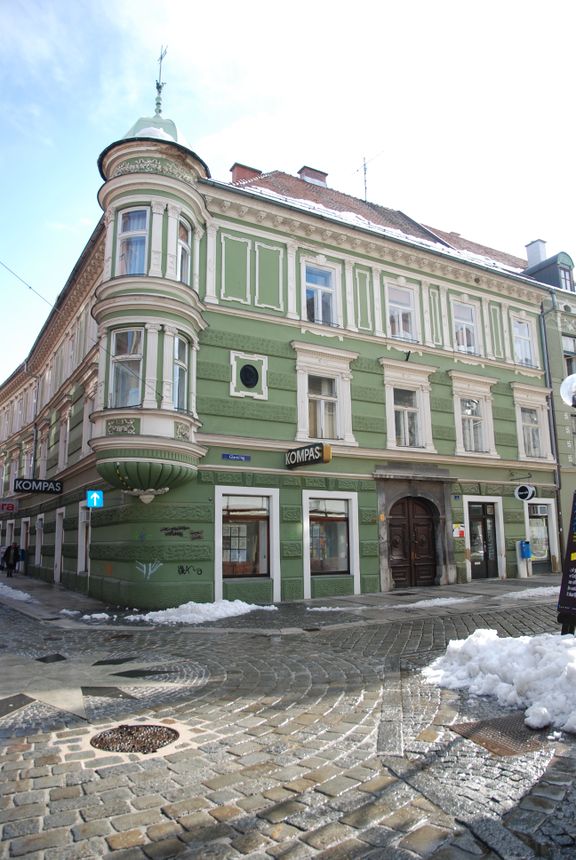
{"points": [[291, 549], [146, 552]]}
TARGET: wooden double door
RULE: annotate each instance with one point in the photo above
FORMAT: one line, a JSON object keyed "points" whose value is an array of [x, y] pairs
{"points": [[411, 543]]}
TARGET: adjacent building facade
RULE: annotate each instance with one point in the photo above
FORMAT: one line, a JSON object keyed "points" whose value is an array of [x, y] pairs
{"points": [[209, 329]]}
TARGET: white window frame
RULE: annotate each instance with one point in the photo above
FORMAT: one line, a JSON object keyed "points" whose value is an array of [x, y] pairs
{"points": [[84, 538], [411, 377], [500, 533], [39, 540], [131, 234], [182, 366], [474, 326], [566, 279], [413, 336], [328, 363], [273, 496], [238, 358], [524, 346], [530, 397], [353, 535], [466, 386], [118, 359], [184, 253], [334, 290]]}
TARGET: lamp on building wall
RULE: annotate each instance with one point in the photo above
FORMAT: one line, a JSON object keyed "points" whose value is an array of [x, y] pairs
{"points": [[147, 496]]}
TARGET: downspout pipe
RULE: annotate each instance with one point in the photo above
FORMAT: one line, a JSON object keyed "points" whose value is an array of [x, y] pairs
{"points": [[552, 413]]}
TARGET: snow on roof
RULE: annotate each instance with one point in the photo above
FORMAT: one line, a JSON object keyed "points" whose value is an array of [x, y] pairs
{"points": [[356, 220]]}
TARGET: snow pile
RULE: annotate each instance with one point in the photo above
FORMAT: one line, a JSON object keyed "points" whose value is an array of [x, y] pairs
{"points": [[197, 613], [436, 601], [13, 593], [533, 672], [328, 609], [97, 616], [71, 613], [526, 593]]}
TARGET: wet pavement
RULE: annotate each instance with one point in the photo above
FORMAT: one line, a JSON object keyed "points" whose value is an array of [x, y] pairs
{"points": [[301, 733]]}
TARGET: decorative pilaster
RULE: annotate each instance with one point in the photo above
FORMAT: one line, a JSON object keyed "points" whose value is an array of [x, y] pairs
{"points": [[109, 243], [377, 293], [172, 248], [210, 296], [151, 366], [156, 240], [102, 365], [349, 294], [292, 294], [197, 236]]}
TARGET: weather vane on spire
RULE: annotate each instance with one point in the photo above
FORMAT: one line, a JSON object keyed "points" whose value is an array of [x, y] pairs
{"points": [[159, 84]]}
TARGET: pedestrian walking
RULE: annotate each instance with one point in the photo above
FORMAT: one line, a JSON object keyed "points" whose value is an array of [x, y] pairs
{"points": [[11, 558]]}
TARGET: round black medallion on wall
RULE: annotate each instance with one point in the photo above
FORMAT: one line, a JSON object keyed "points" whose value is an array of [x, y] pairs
{"points": [[249, 376]]}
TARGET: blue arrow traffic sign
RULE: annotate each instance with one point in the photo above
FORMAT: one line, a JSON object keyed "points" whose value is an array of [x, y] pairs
{"points": [[95, 498]]}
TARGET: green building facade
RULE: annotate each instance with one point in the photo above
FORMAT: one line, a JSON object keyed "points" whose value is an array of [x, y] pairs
{"points": [[209, 328]]}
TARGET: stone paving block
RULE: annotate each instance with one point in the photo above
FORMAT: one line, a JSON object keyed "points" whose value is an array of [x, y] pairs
{"points": [[39, 842], [66, 792], [21, 828], [364, 816], [87, 830], [537, 804], [226, 812], [79, 851], [299, 786], [524, 820], [252, 803], [347, 850], [278, 794], [291, 851], [15, 813], [127, 839], [281, 832], [164, 850], [96, 809], [328, 835], [377, 783], [337, 785], [248, 843], [136, 819], [282, 811], [60, 819], [424, 840], [404, 818]]}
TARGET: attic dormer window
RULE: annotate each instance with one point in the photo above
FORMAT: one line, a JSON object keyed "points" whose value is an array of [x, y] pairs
{"points": [[566, 281]]}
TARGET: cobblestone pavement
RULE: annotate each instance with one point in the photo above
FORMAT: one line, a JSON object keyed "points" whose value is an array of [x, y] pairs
{"points": [[297, 738]]}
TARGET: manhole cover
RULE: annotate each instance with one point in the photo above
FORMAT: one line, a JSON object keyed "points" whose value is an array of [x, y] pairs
{"points": [[502, 735], [141, 739]]}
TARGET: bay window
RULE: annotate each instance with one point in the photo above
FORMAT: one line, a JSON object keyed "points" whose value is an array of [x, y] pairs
{"points": [[126, 368], [184, 251], [132, 242], [180, 374]]}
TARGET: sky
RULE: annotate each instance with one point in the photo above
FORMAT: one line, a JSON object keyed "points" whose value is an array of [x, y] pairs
{"points": [[462, 111]]}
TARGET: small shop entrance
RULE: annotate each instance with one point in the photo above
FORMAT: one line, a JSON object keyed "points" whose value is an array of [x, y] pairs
{"points": [[483, 545], [412, 552], [539, 538]]}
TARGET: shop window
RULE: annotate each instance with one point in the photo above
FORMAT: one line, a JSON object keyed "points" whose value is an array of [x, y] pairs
{"points": [[126, 370], [329, 536], [245, 536], [132, 242]]}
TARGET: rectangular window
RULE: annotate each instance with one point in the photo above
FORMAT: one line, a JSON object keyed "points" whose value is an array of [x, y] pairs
{"points": [[180, 381], [406, 418], [531, 432], [322, 403], [401, 315], [126, 368], [319, 296], [472, 424], [329, 536], [569, 348], [245, 536], [523, 343], [566, 282], [184, 252], [465, 328], [132, 242]]}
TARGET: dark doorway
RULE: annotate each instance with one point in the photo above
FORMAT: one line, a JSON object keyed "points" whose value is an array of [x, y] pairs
{"points": [[412, 555], [483, 549]]}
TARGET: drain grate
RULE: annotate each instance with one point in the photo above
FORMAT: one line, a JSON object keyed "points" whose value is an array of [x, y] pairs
{"points": [[141, 739], [502, 735]]}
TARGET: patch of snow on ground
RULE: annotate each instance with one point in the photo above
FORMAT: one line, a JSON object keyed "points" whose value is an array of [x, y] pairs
{"points": [[70, 612], [526, 593], [13, 593], [537, 673], [197, 613], [437, 601], [97, 616], [327, 609]]}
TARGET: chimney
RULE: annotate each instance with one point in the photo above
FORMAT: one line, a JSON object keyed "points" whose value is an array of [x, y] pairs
{"points": [[536, 252], [241, 172], [315, 177]]}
